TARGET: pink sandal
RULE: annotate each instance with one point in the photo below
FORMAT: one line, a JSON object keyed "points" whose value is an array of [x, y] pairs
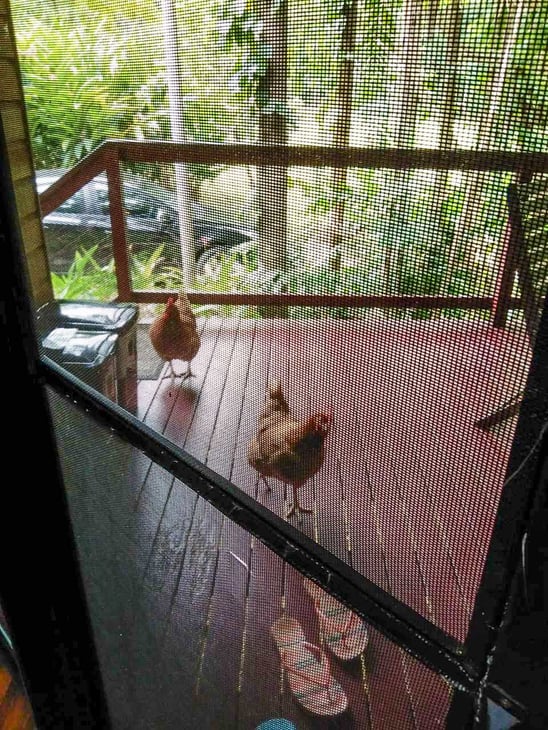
{"points": [[307, 669], [343, 631]]}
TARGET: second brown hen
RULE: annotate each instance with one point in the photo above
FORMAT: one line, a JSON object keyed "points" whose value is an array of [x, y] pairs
{"points": [[174, 334], [285, 447]]}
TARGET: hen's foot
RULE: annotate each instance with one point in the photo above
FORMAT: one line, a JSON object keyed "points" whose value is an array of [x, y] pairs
{"points": [[183, 376], [300, 511], [188, 374]]}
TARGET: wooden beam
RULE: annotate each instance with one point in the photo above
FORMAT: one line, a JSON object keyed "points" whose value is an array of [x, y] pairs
{"points": [[315, 156], [326, 300], [505, 279], [74, 179], [242, 154]]}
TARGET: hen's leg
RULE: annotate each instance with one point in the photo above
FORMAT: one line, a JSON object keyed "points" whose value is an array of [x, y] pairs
{"points": [[188, 374], [170, 373], [296, 507], [268, 487], [297, 504]]}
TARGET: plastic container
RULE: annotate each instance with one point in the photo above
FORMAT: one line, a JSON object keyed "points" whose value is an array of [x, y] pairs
{"points": [[119, 319], [91, 356]]}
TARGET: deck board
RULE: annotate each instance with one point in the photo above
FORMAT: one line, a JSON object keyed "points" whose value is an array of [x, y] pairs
{"points": [[194, 556], [266, 598], [222, 643], [407, 496]]}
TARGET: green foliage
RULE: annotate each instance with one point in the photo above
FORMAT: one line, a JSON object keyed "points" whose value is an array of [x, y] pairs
{"points": [[93, 69], [322, 279], [235, 272], [240, 30], [86, 279], [83, 83]]}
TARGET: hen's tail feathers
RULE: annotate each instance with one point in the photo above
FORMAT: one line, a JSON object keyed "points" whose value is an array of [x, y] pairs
{"points": [[275, 388], [276, 398], [186, 313]]}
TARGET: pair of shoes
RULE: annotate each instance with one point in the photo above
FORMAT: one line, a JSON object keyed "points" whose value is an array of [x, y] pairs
{"points": [[306, 665]]}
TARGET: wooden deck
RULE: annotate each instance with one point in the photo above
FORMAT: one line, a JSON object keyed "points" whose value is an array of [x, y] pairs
{"points": [[183, 599]]}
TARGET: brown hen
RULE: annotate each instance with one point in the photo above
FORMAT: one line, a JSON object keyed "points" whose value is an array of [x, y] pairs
{"points": [[286, 448], [174, 334]]}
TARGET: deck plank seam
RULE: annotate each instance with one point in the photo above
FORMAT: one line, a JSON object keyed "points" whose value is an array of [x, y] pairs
{"points": [[224, 521], [196, 496]]}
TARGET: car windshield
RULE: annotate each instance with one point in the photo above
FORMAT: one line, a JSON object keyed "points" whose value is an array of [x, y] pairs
{"points": [[132, 185]]}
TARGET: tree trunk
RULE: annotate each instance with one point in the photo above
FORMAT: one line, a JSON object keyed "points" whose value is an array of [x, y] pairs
{"points": [[454, 15], [470, 218], [184, 203], [272, 181], [447, 120], [406, 103], [341, 136]]}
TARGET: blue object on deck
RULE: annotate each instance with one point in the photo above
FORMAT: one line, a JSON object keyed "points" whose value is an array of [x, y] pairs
{"points": [[499, 719], [277, 723]]}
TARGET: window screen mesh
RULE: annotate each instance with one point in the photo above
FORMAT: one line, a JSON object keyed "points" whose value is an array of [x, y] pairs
{"points": [[183, 601], [417, 370], [409, 502]]}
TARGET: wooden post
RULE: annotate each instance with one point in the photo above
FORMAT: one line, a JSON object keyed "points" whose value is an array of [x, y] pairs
{"points": [[505, 279], [118, 225], [341, 136], [18, 161], [272, 180], [510, 259]]}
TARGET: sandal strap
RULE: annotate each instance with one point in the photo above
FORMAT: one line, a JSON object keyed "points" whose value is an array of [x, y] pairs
{"points": [[300, 642], [318, 682], [342, 636], [341, 633]]}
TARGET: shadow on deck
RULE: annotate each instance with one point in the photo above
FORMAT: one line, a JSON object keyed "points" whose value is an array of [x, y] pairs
{"points": [[183, 600]]}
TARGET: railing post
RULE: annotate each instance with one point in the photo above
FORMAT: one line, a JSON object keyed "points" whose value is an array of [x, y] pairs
{"points": [[509, 262], [118, 227], [505, 279]]}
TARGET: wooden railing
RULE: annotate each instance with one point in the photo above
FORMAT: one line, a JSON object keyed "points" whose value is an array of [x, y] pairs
{"points": [[108, 156]]}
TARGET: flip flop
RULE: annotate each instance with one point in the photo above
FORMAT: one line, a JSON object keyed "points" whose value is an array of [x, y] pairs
{"points": [[343, 631], [307, 669]]}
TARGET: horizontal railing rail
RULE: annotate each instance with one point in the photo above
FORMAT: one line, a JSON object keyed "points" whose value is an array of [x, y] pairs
{"points": [[108, 156]]}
